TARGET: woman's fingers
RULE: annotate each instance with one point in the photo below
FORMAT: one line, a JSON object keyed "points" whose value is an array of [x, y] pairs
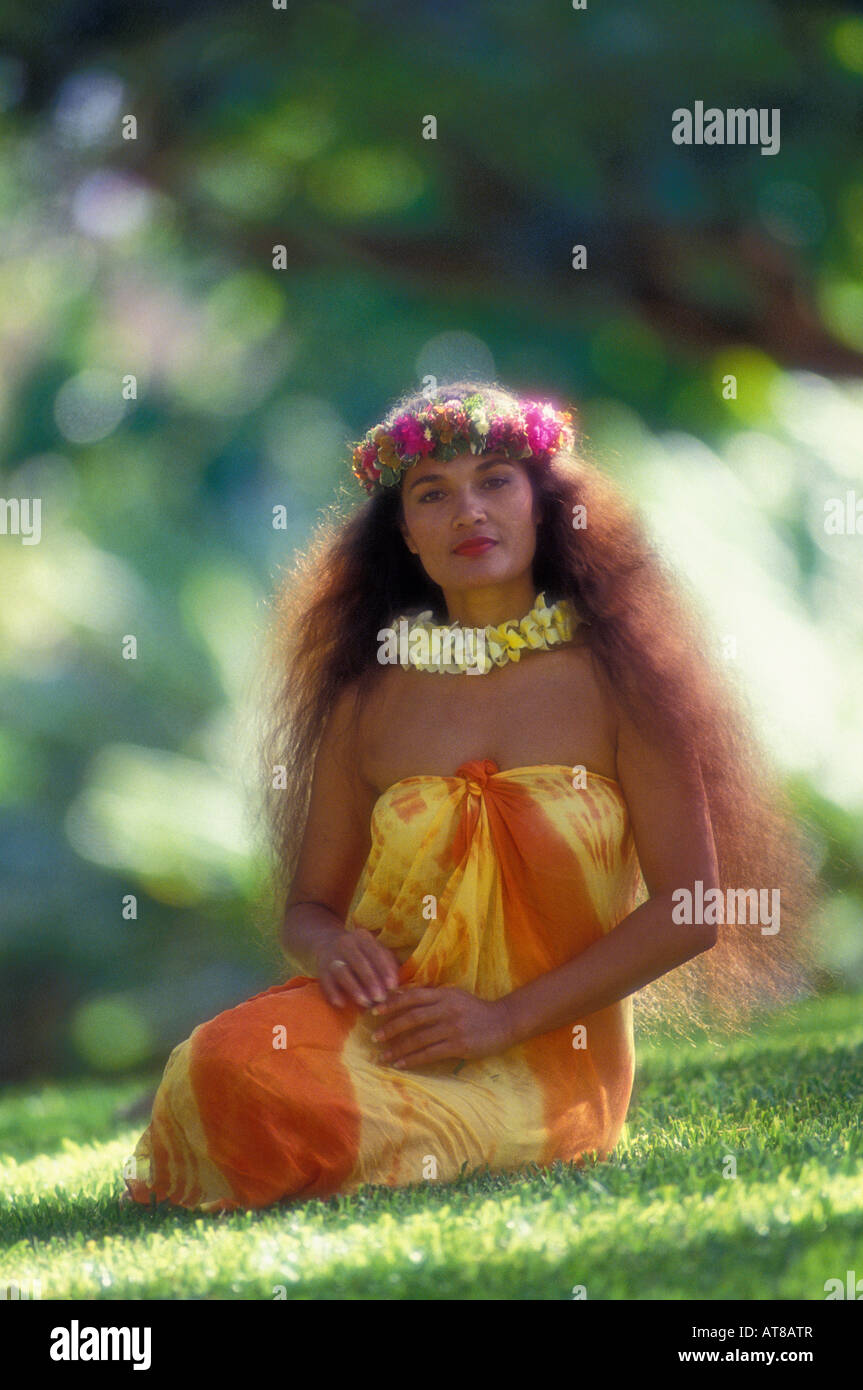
{"points": [[435, 1052], [331, 991], [348, 977], [392, 970], [385, 963], [360, 970], [416, 1043], [366, 975], [381, 973], [388, 970], [419, 1016]]}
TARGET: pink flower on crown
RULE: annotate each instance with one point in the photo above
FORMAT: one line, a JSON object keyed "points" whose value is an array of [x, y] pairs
{"points": [[506, 433], [409, 434], [543, 431]]}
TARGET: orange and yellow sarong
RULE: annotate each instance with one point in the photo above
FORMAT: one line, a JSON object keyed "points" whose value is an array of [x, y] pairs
{"points": [[483, 880]]}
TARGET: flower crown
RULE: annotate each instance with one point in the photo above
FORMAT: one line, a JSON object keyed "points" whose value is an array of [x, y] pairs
{"points": [[534, 430]]}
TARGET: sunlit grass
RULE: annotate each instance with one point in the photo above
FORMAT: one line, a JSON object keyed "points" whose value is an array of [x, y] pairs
{"points": [[657, 1221]]}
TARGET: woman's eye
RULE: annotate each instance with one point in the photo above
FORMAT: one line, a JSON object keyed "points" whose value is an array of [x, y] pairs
{"points": [[436, 492]]}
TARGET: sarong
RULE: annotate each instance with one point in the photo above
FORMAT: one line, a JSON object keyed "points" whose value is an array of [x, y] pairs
{"points": [[484, 880]]}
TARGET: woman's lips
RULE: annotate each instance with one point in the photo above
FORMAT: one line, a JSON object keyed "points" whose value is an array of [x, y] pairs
{"points": [[475, 547]]}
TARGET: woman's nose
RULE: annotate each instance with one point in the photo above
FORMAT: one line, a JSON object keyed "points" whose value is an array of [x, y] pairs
{"points": [[468, 504]]}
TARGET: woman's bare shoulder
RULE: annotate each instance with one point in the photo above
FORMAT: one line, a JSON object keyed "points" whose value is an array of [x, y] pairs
{"points": [[587, 670], [362, 709]]}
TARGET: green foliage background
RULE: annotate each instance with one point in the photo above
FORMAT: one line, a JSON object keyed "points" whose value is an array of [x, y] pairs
{"points": [[404, 256]]}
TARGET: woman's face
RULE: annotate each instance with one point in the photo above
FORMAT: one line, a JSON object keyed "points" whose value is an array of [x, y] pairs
{"points": [[468, 497]]}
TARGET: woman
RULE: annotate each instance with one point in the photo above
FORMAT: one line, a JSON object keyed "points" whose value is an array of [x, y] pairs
{"points": [[502, 841]]}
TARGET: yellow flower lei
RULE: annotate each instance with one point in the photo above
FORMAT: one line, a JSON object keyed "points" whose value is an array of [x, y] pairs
{"points": [[539, 630]]}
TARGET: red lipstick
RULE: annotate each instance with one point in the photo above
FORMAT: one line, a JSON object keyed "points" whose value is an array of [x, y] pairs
{"points": [[476, 545]]}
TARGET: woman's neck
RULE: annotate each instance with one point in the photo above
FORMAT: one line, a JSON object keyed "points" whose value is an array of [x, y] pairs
{"points": [[491, 605]]}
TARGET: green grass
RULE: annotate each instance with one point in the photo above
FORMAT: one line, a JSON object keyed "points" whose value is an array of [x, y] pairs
{"points": [[656, 1221]]}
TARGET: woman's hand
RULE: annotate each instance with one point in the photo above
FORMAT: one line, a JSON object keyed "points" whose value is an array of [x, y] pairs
{"points": [[430, 1024], [354, 967]]}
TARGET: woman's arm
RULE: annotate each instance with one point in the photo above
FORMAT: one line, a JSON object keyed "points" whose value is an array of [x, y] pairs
{"points": [[307, 927], [674, 840], [335, 844]]}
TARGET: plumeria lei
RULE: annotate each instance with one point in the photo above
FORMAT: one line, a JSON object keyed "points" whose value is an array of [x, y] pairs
{"points": [[453, 426], [544, 627]]}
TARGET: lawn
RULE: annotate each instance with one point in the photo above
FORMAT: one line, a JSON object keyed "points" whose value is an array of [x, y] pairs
{"points": [[659, 1220]]}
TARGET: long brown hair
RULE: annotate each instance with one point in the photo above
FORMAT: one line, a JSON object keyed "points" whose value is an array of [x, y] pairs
{"points": [[651, 640]]}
